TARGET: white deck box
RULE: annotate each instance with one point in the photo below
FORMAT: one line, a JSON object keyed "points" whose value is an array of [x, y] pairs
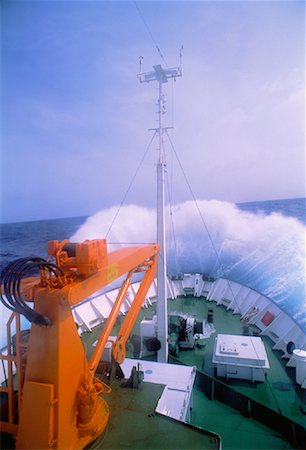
{"points": [[242, 357]]}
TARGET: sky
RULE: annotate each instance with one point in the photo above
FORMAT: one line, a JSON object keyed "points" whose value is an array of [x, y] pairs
{"points": [[75, 120]]}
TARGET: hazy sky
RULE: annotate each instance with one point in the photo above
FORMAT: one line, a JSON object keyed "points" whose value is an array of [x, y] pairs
{"points": [[75, 118]]}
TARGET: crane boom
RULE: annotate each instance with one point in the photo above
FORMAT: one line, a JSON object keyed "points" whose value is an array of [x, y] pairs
{"points": [[61, 403]]}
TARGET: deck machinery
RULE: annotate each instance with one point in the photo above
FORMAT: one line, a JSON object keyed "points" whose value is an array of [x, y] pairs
{"points": [[59, 396]]}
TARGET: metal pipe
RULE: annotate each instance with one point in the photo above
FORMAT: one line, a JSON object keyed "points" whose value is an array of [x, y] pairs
{"points": [[162, 313]]}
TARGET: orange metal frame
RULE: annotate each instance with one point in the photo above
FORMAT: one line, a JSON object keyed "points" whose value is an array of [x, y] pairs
{"points": [[61, 405], [12, 358]]}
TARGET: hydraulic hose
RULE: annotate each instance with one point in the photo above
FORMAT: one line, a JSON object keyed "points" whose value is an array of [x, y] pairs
{"points": [[10, 280]]}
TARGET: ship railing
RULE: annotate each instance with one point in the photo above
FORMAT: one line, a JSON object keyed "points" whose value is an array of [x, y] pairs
{"points": [[10, 389]]}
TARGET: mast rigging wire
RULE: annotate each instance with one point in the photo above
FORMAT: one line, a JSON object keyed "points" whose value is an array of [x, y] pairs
{"points": [[216, 252], [150, 33], [197, 207], [170, 196], [130, 185]]}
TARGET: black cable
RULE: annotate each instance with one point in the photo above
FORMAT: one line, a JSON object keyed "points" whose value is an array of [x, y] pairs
{"points": [[10, 280], [12, 277]]}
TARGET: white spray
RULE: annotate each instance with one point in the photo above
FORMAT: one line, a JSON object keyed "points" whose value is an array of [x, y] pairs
{"points": [[265, 252]]}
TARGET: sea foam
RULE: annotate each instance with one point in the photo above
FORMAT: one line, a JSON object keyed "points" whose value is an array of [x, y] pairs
{"points": [[264, 252]]}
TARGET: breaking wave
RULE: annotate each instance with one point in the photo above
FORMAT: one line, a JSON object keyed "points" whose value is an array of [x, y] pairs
{"points": [[264, 252]]}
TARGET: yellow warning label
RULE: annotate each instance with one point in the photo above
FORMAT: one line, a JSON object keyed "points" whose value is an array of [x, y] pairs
{"points": [[112, 272]]}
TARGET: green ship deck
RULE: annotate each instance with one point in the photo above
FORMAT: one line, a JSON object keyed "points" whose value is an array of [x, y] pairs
{"points": [[134, 424], [279, 392]]}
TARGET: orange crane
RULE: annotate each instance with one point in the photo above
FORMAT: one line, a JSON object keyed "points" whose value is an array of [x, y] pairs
{"points": [[60, 403]]}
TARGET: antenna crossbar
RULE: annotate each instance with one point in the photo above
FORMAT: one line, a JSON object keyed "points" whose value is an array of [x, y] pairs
{"points": [[159, 74], [162, 129]]}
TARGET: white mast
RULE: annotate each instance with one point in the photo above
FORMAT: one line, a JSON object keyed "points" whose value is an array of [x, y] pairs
{"points": [[161, 75]]}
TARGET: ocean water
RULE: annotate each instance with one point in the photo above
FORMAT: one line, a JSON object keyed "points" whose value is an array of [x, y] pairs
{"points": [[293, 207], [259, 244], [30, 238]]}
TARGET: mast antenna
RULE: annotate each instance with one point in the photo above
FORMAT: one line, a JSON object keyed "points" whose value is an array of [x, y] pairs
{"points": [[161, 76], [181, 57], [140, 64]]}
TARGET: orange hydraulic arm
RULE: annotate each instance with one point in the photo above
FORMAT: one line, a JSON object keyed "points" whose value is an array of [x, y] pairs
{"points": [[61, 406], [95, 359]]}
